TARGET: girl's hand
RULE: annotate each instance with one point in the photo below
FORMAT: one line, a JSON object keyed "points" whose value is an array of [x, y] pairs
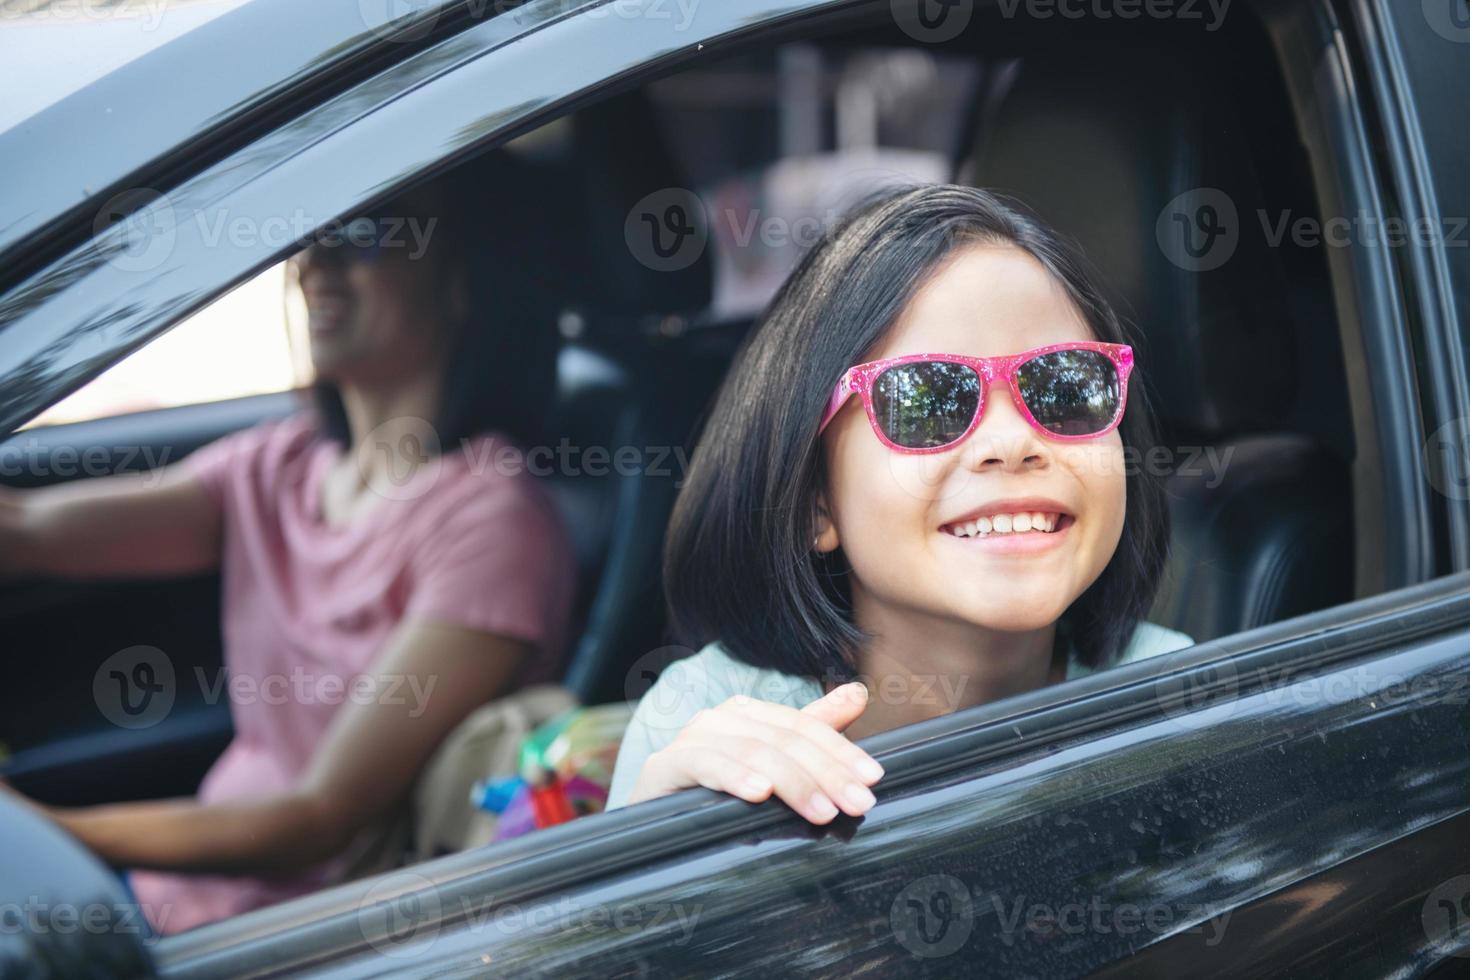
{"points": [[751, 749]]}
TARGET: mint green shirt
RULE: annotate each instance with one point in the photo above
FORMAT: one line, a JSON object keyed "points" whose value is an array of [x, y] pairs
{"points": [[710, 676]]}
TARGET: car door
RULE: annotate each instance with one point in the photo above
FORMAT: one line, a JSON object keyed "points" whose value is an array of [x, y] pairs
{"points": [[1291, 800], [1134, 818]]}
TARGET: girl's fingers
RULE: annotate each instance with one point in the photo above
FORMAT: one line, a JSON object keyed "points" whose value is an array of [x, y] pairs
{"points": [[747, 768], [811, 726], [840, 706], [755, 749], [834, 775]]}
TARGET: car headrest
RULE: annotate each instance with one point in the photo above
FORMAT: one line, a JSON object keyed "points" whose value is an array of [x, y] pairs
{"points": [[1101, 142], [560, 196], [588, 177]]}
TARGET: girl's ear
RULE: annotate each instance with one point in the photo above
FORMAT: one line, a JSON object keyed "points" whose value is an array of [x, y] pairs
{"points": [[826, 538]]}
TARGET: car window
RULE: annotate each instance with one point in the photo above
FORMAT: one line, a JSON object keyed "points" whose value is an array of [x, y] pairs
{"points": [[247, 342]]}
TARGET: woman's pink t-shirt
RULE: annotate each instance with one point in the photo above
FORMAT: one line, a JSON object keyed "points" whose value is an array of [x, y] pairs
{"points": [[308, 606]]}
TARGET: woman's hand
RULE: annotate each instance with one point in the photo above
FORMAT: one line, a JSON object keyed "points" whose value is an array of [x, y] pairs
{"points": [[752, 749]]}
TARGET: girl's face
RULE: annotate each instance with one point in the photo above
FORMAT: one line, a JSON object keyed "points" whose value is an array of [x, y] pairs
{"points": [[893, 513]]}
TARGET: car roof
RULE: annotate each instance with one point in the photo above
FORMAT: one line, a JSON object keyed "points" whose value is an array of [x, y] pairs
{"points": [[58, 47], [165, 86]]}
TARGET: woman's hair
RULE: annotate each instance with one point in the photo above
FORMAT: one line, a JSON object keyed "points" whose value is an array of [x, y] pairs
{"points": [[501, 369], [739, 566]]}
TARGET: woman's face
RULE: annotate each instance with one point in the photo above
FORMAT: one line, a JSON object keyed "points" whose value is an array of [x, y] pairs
{"points": [[892, 513], [376, 316]]}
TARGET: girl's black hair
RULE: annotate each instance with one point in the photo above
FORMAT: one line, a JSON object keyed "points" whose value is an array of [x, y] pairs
{"points": [[501, 372], [739, 566]]}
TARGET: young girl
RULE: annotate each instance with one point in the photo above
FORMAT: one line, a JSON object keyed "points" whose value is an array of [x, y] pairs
{"points": [[911, 498]]}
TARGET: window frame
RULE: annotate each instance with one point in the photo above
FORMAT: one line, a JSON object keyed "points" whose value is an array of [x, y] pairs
{"points": [[1388, 55]]}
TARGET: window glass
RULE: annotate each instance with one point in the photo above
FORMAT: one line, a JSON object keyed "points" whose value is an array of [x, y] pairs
{"points": [[247, 342]]}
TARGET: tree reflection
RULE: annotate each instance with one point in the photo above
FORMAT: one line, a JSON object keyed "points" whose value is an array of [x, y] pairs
{"points": [[928, 403]]}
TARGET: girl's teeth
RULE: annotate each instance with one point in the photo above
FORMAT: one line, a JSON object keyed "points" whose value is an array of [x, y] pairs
{"points": [[1006, 524]]}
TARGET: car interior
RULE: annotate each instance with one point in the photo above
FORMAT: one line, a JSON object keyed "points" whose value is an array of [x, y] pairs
{"points": [[1096, 126]]}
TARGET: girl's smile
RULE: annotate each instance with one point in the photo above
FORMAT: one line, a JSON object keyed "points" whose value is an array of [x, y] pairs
{"points": [[1013, 533], [998, 518]]}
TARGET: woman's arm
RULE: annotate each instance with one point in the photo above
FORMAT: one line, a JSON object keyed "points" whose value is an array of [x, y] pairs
{"points": [[430, 677], [129, 524]]}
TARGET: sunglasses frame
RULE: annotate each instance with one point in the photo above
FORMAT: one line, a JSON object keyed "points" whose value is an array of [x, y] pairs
{"points": [[340, 248], [859, 380]]}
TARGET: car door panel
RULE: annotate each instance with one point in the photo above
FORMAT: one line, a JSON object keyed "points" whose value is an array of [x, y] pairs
{"points": [[1380, 914], [1162, 797]]}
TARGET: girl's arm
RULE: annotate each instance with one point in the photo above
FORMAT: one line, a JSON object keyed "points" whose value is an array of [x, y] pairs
{"points": [[431, 676]]}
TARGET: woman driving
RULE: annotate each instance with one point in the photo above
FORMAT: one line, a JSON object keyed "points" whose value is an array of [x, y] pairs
{"points": [[369, 545]]}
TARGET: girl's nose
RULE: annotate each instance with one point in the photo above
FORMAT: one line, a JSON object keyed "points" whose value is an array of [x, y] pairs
{"points": [[1005, 438]]}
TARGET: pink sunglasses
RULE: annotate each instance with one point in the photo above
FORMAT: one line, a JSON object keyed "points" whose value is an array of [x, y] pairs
{"points": [[925, 403]]}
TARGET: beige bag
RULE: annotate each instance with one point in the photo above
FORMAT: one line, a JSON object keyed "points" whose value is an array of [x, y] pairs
{"points": [[440, 818], [485, 745]]}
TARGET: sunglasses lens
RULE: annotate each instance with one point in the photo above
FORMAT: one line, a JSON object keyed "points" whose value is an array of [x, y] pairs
{"points": [[359, 240], [927, 403], [1070, 392]]}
